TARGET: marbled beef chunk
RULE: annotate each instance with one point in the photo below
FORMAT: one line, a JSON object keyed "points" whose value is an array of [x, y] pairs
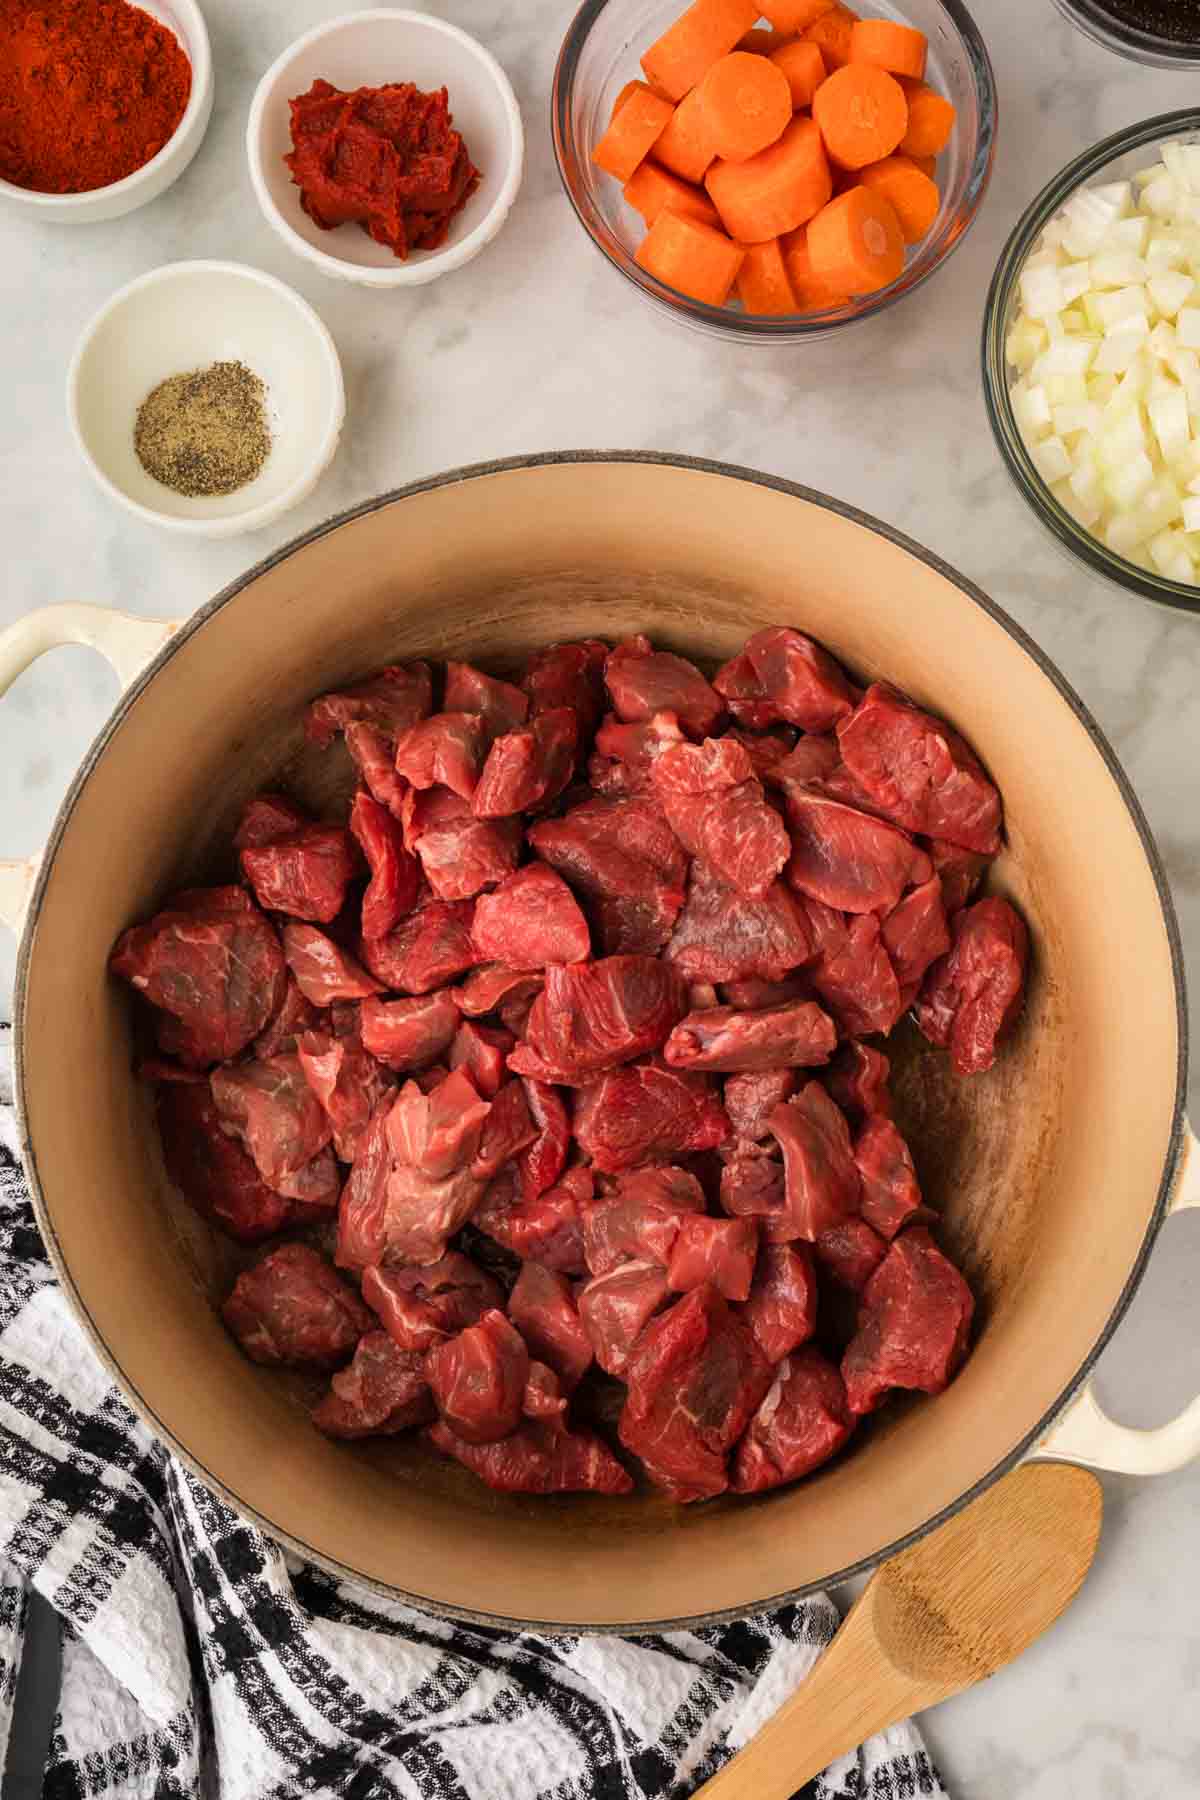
{"points": [[478, 1379], [914, 1324], [975, 993], [382, 1392], [802, 1422], [293, 1307]]}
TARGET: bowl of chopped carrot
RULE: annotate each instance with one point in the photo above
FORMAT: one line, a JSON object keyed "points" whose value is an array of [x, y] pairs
{"points": [[774, 169]]}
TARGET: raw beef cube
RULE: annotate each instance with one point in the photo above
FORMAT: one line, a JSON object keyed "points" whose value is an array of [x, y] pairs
{"points": [[722, 935], [858, 1081], [395, 873], [541, 1457], [819, 1169], [646, 1114], [501, 706], [362, 1210], [316, 1189], [487, 989], [592, 1016], [766, 749], [914, 1324], [782, 1308], [720, 1251], [390, 700], [813, 762], [750, 1099], [959, 871], [850, 1252], [797, 682], [409, 1034], [616, 1307], [891, 1193], [753, 993], [460, 854], [447, 750], [478, 1379], [372, 755], [796, 1035], [643, 681], [419, 1308], [543, 1309], [482, 1050], [426, 950], [543, 1397], [305, 875], [548, 1229], [853, 973], [382, 1392], [624, 860], [212, 961], [696, 1378], [530, 767], [919, 772], [640, 1222], [914, 935], [296, 1015], [212, 1171], [568, 675], [625, 754], [530, 920], [753, 1186], [270, 1108], [323, 971], [266, 819], [508, 1130], [846, 858], [293, 1307], [803, 1421], [974, 994], [715, 805], [347, 1081]]}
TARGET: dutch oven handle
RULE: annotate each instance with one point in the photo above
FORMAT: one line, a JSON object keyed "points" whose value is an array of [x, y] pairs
{"points": [[126, 642], [1086, 1434]]}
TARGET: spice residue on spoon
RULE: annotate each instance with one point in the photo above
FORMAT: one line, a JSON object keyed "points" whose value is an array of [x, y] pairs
{"points": [[206, 432]]}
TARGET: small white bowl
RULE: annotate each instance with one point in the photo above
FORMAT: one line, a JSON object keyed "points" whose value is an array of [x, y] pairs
{"points": [[369, 49], [184, 317], [185, 19]]}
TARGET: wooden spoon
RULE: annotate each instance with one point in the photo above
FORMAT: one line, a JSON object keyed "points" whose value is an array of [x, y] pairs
{"points": [[939, 1617]]}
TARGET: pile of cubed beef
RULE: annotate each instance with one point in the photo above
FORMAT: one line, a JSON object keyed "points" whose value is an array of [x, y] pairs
{"points": [[557, 1063]]}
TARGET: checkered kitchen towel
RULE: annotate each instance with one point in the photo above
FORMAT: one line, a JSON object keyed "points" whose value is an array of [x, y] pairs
{"points": [[200, 1660]]}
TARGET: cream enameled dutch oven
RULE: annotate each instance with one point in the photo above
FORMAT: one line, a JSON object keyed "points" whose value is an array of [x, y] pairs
{"points": [[1054, 1173]]}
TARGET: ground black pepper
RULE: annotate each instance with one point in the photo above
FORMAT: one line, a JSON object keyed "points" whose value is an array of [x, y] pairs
{"points": [[205, 432], [1175, 21]]}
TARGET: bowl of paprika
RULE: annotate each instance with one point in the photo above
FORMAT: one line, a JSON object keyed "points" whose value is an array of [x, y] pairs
{"points": [[103, 104]]}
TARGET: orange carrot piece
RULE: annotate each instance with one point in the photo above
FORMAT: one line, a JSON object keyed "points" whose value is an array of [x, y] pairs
{"points": [[796, 15], [804, 67], [930, 121], [926, 164], [764, 40], [831, 34], [762, 283], [776, 190], [900, 49], [631, 87], [746, 103], [685, 146], [855, 243], [913, 195], [650, 190], [862, 114], [686, 51], [812, 293], [692, 257], [632, 133]]}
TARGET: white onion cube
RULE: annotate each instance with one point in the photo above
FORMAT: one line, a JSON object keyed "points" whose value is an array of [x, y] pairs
{"points": [[1169, 290], [1187, 326], [1051, 459], [1191, 513]]}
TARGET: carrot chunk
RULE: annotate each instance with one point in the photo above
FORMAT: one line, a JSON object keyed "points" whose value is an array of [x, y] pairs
{"points": [[862, 114], [650, 190], [812, 292], [685, 146], [796, 15], [764, 40], [762, 283], [631, 87], [804, 69], [855, 243], [913, 195], [930, 121], [926, 164], [900, 49], [632, 133], [831, 34], [686, 51], [692, 257], [776, 190], [746, 103]]}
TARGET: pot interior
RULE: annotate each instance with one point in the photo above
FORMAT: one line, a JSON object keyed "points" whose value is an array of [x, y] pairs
{"points": [[1047, 1171]]}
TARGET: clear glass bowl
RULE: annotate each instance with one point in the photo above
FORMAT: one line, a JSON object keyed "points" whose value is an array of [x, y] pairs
{"points": [[1114, 159], [600, 53], [1127, 40]]}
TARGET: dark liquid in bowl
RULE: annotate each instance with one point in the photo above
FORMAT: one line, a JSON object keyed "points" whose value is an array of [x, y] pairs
{"points": [[1176, 22]]}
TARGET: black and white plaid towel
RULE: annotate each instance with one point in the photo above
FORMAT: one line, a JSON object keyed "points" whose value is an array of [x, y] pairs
{"points": [[200, 1660]]}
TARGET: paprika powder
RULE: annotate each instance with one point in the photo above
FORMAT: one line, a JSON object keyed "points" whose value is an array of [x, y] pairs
{"points": [[90, 90]]}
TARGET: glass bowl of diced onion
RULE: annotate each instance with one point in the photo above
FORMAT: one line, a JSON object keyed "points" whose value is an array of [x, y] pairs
{"points": [[1091, 358]]}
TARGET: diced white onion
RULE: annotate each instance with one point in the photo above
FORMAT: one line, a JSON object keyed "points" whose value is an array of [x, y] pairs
{"points": [[1191, 514]]}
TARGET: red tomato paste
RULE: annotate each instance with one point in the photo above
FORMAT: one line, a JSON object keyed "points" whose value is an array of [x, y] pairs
{"points": [[387, 157]]}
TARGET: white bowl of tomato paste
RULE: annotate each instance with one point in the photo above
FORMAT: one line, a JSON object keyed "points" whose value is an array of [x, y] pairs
{"points": [[386, 147]]}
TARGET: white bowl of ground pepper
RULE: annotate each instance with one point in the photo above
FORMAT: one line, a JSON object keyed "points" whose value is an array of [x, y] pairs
{"points": [[206, 397]]}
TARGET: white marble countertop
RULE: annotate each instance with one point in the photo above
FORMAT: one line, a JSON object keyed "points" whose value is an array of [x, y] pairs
{"points": [[539, 345]]}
